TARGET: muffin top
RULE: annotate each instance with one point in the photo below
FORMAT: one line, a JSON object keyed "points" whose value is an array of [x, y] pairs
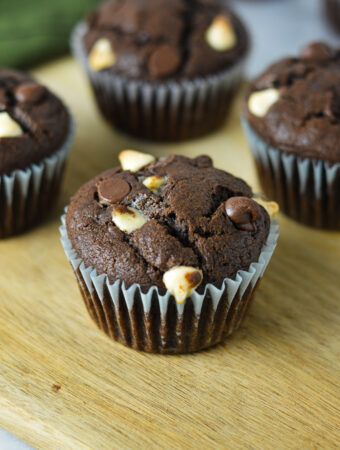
{"points": [[33, 122], [157, 40], [155, 221], [295, 104]]}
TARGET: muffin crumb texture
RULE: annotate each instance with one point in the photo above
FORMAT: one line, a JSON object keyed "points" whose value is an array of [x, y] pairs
{"points": [[33, 122], [158, 40], [191, 225], [295, 104]]}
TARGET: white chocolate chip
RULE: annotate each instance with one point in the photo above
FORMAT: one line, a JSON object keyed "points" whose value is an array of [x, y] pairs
{"points": [[259, 102], [8, 126], [133, 161], [181, 281], [272, 208], [102, 55], [154, 183], [221, 35], [127, 219]]}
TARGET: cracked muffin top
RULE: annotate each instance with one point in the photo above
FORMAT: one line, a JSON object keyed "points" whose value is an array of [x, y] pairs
{"points": [[33, 122], [157, 40], [153, 221], [295, 104]]}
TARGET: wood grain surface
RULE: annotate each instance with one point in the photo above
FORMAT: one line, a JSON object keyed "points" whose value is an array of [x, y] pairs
{"points": [[63, 384]]}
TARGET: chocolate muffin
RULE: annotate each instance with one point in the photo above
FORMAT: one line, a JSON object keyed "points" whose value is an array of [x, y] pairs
{"points": [[168, 252], [35, 137], [163, 70], [292, 119], [332, 11]]}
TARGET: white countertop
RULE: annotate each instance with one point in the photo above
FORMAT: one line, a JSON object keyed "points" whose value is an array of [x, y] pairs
{"points": [[9, 442], [281, 27]]}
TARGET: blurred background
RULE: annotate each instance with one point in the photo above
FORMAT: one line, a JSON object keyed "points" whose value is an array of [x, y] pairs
{"points": [[281, 27], [36, 31]]}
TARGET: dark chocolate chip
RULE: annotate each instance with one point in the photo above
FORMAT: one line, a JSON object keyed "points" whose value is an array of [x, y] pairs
{"points": [[317, 51], [29, 92], [112, 190], [164, 61], [243, 212], [193, 278], [203, 161]]}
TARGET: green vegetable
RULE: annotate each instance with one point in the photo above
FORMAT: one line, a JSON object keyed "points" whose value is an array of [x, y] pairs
{"points": [[32, 31]]}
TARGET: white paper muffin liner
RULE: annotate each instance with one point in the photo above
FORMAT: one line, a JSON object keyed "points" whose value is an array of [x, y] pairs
{"points": [[160, 111], [307, 190], [156, 323], [26, 196]]}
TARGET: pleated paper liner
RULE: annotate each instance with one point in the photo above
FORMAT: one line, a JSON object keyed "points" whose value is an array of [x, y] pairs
{"points": [[156, 323], [26, 196], [166, 111], [307, 190]]}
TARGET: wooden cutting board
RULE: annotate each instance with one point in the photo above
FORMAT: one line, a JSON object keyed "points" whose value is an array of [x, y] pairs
{"points": [[63, 384]]}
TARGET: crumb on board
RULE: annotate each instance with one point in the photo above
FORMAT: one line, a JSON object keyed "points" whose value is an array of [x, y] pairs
{"points": [[56, 387]]}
